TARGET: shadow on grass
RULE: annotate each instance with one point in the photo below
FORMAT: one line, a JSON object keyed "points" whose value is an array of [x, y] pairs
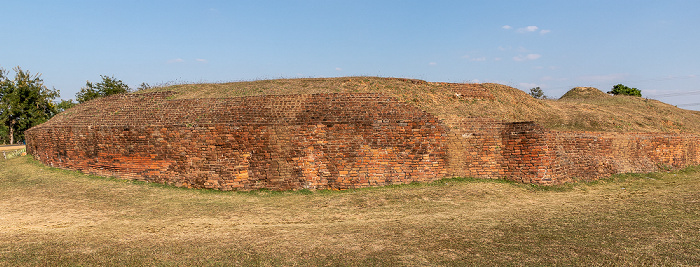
{"points": [[616, 178]]}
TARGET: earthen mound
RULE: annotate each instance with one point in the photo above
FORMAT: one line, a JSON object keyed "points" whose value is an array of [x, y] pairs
{"points": [[583, 93], [351, 132]]}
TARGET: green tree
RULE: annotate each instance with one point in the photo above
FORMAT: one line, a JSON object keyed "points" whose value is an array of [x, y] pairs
{"points": [[624, 90], [24, 102], [108, 86], [64, 105], [3, 134], [537, 93], [143, 86]]}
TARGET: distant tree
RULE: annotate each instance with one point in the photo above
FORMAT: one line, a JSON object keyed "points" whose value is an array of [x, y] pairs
{"points": [[64, 105], [108, 86], [537, 93], [143, 86], [3, 134], [624, 90], [24, 102]]}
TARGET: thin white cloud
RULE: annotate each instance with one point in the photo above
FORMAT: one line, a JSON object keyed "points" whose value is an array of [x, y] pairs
{"points": [[474, 58], [202, 60], [338, 69], [550, 78], [615, 77], [528, 29], [176, 60], [675, 77], [528, 85], [527, 57], [432, 63]]}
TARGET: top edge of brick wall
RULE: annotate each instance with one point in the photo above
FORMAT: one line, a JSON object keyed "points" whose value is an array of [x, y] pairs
{"points": [[155, 109]]}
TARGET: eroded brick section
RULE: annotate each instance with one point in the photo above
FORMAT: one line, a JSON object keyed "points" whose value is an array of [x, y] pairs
{"points": [[536, 155], [476, 148], [526, 152], [469, 91], [275, 142], [592, 155]]}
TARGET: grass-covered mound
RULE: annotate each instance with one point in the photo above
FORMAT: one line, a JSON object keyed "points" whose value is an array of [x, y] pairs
{"points": [[584, 93], [582, 108]]}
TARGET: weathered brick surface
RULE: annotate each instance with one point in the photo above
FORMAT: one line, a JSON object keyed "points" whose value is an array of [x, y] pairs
{"points": [[526, 152], [475, 148], [329, 141], [277, 142], [591, 155], [536, 155]]}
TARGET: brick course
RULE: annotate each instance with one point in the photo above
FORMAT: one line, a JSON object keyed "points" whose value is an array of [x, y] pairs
{"points": [[329, 141]]}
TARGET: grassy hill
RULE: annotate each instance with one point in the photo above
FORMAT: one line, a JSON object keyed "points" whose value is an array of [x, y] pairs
{"points": [[580, 109]]}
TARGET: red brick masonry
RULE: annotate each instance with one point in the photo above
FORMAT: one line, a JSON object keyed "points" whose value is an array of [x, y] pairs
{"points": [[328, 141]]}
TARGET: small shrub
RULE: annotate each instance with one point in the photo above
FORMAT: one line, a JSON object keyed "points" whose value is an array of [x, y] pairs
{"points": [[13, 154], [621, 89], [537, 93]]}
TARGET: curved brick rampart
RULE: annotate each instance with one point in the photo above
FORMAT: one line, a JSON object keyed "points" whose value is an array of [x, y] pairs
{"points": [[276, 142], [329, 141]]}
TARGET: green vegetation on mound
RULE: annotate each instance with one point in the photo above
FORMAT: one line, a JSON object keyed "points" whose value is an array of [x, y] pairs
{"points": [[581, 109]]}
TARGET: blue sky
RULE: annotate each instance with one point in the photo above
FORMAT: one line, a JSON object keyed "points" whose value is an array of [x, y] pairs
{"points": [[556, 45]]}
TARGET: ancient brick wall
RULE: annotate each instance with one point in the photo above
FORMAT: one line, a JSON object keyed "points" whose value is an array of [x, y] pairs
{"points": [[329, 141], [592, 155], [475, 148], [533, 154], [526, 152], [275, 142]]}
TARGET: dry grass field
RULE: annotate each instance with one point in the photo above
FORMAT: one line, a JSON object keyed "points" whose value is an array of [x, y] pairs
{"points": [[11, 147], [51, 217]]}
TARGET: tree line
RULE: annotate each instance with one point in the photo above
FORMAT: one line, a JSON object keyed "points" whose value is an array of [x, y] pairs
{"points": [[25, 101], [618, 89]]}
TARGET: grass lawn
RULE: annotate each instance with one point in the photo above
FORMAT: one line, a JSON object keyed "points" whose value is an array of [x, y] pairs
{"points": [[51, 217]]}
